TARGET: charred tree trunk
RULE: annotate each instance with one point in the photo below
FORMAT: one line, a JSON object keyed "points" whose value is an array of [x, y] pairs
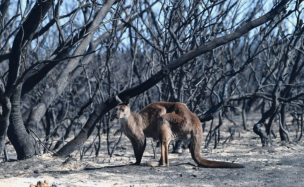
{"points": [[4, 117], [257, 128], [244, 117], [22, 141], [283, 133], [47, 130], [17, 133]]}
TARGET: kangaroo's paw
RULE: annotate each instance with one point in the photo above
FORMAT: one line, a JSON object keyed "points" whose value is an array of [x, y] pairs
{"points": [[152, 164], [134, 164]]}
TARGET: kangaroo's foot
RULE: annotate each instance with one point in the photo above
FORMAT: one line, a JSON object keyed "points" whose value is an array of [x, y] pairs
{"points": [[163, 165], [153, 164], [160, 164], [134, 164]]}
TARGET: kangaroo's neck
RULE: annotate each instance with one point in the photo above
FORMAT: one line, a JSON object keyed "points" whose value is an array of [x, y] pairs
{"points": [[133, 118]]}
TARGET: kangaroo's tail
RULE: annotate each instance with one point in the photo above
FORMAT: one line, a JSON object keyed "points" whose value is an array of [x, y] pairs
{"points": [[195, 150]]}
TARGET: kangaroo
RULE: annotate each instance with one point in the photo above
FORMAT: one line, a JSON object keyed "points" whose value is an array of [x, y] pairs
{"points": [[164, 121]]}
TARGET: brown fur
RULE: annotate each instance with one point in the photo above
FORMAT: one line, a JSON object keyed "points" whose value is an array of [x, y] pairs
{"points": [[165, 121]]}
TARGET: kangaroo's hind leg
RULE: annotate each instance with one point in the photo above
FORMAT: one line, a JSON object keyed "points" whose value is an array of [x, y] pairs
{"points": [[169, 125], [165, 136]]}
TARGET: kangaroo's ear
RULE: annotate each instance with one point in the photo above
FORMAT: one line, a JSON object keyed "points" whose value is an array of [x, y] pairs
{"points": [[118, 100], [124, 101]]}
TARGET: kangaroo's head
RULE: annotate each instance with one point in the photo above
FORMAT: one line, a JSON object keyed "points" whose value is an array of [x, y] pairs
{"points": [[123, 111]]}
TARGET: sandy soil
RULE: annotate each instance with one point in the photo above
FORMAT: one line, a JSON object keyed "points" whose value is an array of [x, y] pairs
{"points": [[279, 165]]}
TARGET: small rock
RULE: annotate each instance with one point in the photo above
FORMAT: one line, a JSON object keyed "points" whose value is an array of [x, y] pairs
{"points": [[195, 168], [47, 165]]}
